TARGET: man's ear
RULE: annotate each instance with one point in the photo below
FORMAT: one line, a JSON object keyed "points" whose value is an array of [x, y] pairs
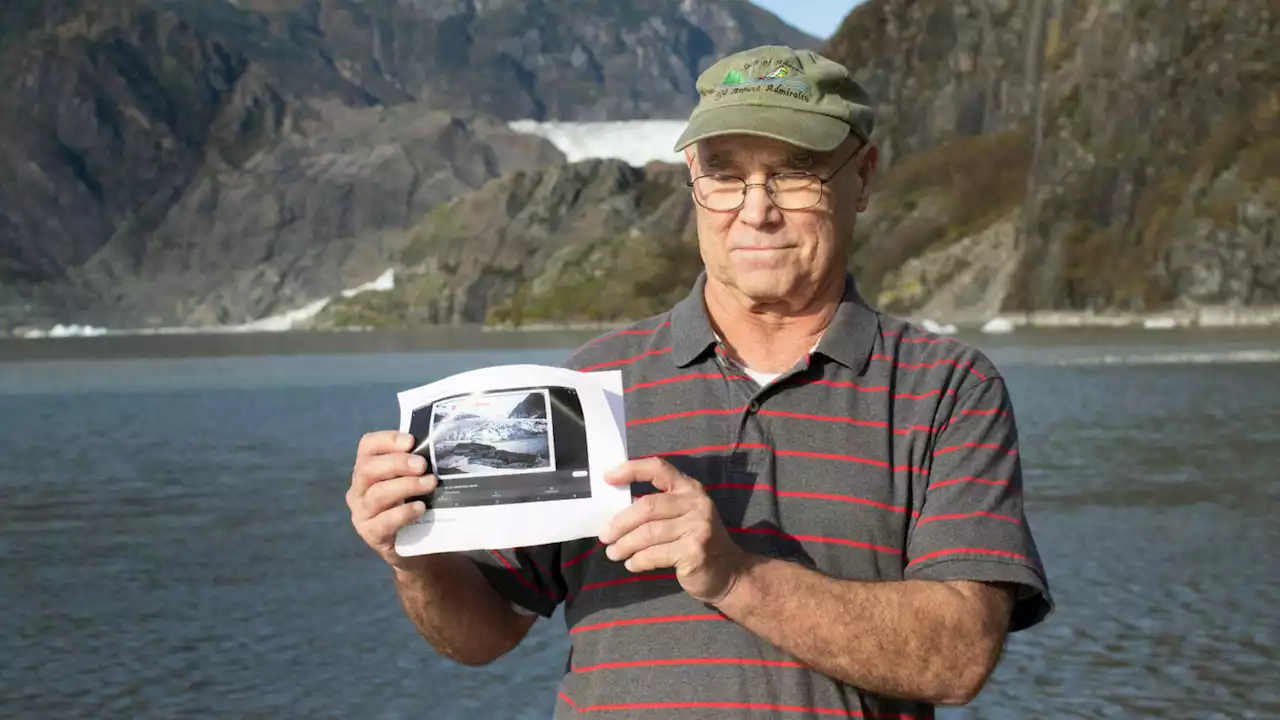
{"points": [[867, 172]]}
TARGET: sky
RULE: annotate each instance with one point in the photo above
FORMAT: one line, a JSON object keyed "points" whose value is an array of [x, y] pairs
{"points": [[816, 17]]}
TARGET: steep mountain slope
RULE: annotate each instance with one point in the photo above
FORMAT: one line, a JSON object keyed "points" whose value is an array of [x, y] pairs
{"points": [[1058, 155], [1047, 155], [197, 162], [595, 241]]}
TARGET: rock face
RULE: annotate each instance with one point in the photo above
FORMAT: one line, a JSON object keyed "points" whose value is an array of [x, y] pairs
{"points": [[595, 241], [1084, 155], [542, 59], [199, 162]]}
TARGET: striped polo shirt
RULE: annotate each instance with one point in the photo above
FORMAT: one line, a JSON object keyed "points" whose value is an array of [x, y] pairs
{"points": [[886, 453]]}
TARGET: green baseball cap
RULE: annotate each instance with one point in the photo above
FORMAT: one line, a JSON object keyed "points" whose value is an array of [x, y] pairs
{"points": [[796, 96]]}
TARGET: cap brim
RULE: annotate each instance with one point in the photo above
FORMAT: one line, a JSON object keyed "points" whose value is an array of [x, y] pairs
{"points": [[811, 131]]}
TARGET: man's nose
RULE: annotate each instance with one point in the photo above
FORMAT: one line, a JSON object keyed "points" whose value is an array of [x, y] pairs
{"points": [[757, 207]]}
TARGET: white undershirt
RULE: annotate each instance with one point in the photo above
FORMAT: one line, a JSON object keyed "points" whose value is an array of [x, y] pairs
{"points": [[761, 378]]}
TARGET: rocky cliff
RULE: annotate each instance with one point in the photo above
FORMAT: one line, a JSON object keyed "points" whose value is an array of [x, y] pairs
{"points": [[1087, 155], [204, 162], [596, 241]]}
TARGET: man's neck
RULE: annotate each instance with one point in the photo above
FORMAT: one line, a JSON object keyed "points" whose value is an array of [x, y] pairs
{"points": [[771, 339]]}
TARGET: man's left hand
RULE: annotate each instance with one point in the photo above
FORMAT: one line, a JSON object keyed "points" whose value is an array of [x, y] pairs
{"points": [[677, 527]]}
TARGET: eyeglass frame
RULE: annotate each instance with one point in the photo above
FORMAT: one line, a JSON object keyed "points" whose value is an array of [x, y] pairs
{"points": [[747, 186]]}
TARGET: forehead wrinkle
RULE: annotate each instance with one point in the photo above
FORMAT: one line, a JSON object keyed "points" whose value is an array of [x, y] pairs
{"points": [[771, 160]]}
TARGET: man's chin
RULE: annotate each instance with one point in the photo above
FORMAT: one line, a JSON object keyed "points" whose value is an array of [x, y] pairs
{"points": [[765, 287]]}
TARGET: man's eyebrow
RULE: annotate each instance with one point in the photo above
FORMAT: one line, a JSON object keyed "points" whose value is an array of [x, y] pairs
{"points": [[717, 161], [802, 160], [794, 161]]}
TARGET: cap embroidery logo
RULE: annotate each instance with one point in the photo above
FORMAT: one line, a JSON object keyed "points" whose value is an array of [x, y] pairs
{"points": [[777, 80]]}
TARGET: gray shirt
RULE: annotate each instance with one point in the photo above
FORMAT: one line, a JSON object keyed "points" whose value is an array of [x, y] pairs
{"points": [[887, 453]]}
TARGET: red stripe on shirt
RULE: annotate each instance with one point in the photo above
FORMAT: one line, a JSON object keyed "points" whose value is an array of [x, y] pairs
{"points": [[817, 539], [975, 446], [810, 495], [992, 411], [645, 621], [850, 421], [583, 556], [621, 333], [625, 361], [921, 366], [689, 661], [965, 551], [538, 565], [781, 414], [954, 481], [682, 378], [961, 516], [711, 705], [520, 576], [687, 414], [791, 453], [622, 581], [879, 388]]}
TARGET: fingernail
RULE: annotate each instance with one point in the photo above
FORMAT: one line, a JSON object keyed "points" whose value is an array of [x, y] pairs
{"points": [[405, 441], [419, 507], [428, 481], [417, 463]]}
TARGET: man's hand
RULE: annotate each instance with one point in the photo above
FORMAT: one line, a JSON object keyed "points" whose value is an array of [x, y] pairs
{"points": [[677, 527], [386, 474]]}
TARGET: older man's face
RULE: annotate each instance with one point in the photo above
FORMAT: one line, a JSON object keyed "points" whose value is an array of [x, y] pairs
{"points": [[763, 252]]}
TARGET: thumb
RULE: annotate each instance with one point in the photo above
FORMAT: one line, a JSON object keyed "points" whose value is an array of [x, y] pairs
{"points": [[664, 477]]}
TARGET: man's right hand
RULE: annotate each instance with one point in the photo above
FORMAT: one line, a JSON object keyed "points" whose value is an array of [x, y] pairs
{"points": [[386, 474]]}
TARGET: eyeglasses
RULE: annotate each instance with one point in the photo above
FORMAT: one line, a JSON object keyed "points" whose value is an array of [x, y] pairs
{"points": [[788, 191]]}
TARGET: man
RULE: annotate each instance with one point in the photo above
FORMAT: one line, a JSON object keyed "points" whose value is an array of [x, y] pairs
{"points": [[829, 518]]}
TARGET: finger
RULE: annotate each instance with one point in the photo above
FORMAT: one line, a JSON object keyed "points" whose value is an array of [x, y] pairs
{"points": [[382, 442], [382, 529], [373, 470], [650, 534], [654, 557], [654, 506], [386, 495], [657, 471]]}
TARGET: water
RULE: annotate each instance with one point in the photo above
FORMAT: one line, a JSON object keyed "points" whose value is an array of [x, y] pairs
{"points": [[174, 540]]}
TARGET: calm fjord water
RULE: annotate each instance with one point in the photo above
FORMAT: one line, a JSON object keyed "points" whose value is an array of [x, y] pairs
{"points": [[173, 538]]}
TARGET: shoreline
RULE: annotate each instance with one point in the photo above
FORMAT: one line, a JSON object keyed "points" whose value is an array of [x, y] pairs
{"points": [[1215, 318]]}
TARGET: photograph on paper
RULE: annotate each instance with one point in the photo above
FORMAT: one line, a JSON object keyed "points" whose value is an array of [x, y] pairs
{"points": [[519, 453], [504, 446]]}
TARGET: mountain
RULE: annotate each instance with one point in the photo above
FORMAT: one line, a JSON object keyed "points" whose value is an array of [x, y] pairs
{"points": [[594, 241], [533, 406], [1052, 155], [490, 432], [1036, 157], [206, 162]]}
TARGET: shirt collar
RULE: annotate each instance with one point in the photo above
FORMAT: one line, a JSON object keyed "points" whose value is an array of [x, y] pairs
{"points": [[691, 333], [848, 339]]}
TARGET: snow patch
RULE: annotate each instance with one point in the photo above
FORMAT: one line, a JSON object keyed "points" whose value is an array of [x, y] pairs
{"points": [[998, 326], [938, 328], [276, 323], [636, 142]]}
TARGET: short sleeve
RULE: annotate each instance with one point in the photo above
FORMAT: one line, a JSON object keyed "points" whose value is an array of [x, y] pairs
{"points": [[528, 577], [971, 524]]}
